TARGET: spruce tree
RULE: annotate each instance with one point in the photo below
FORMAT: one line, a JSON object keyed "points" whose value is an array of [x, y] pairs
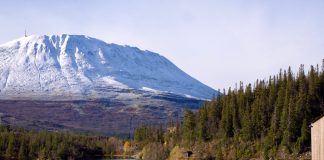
{"points": [[10, 151], [235, 113], [202, 124], [23, 154], [227, 120], [304, 139], [189, 125]]}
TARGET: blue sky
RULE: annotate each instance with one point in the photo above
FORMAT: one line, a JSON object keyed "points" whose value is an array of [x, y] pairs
{"points": [[217, 42]]}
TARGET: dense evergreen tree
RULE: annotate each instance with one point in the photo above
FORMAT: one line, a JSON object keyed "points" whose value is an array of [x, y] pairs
{"points": [[10, 151], [189, 125], [23, 153], [202, 124]]}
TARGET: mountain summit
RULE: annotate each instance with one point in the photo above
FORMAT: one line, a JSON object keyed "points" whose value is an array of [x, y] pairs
{"points": [[81, 67]]}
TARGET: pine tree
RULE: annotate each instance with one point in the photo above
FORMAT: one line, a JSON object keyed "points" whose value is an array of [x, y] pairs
{"points": [[302, 105], [61, 150], [10, 152], [189, 125], [285, 119], [202, 124], [276, 121], [235, 113], [247, 128], [23, 154], [304, 139], [271, 99], [214, 116], [227, 120], [320, 91]]}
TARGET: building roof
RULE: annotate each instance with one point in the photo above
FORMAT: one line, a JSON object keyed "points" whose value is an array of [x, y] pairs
{"points": [[317, 118]]}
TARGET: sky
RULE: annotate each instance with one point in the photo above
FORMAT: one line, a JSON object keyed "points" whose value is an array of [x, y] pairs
{"points": [[220, 43]]}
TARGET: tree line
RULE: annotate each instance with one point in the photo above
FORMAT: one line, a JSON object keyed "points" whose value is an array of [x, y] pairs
{"points": [[17, 143]]}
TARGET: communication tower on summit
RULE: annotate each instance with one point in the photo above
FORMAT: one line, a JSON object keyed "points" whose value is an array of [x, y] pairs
{"points": [[25, 33], [323, 65]]}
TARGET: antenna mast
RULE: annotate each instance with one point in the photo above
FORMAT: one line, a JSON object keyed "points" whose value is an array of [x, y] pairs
{"points": [[323, 65], [25, 33]]}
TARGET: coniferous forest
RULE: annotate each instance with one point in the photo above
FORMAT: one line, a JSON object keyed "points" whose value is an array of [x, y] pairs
{"points": [[21, 144], [276, 112], [269, 119]]}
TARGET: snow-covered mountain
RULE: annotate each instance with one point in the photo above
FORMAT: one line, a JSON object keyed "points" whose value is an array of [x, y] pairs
{"points": [[78, 83], [80, 67]]}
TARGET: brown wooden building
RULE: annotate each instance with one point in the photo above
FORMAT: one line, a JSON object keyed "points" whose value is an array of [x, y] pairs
{"points": [[318, 139]]}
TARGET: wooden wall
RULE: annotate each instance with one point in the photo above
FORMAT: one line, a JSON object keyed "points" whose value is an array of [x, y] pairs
{"points": [[318, 139]]}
